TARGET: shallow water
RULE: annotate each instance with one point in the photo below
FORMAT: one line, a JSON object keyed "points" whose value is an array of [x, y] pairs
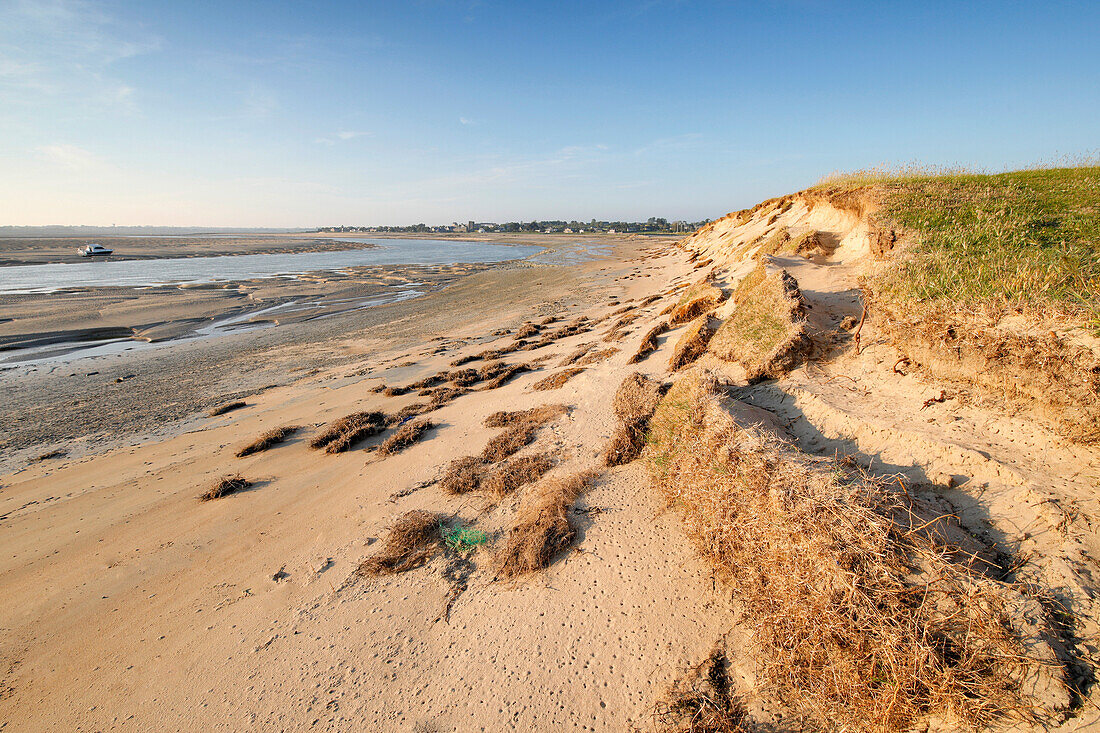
{"points": [[225, 268]]}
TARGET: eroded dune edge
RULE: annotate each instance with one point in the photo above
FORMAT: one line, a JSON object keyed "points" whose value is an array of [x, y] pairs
{"points": [[740, 484]]}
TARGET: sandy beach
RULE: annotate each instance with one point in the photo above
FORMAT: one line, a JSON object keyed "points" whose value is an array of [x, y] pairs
{"points": [[131, 604]]}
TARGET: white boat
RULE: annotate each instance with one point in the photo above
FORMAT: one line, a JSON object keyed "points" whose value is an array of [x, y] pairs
{"points": [[94, 250]]}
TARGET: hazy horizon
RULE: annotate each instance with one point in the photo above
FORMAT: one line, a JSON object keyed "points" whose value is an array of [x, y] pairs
{"points": [[242, 116]]}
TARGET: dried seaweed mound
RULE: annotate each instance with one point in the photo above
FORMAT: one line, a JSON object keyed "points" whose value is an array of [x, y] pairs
{"points": [[342, 434], [267, 440], [410, 544], [542, 528], [224, 486]]}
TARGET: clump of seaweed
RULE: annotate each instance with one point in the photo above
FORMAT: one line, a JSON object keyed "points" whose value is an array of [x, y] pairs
{"points": [[406, 435], [225, 486], [342, 434], [270, 438], [409, 544], [558, 380], [542, 527]]}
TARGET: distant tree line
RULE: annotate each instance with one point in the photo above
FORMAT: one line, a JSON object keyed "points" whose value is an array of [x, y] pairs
{"points": [[654, 224]]}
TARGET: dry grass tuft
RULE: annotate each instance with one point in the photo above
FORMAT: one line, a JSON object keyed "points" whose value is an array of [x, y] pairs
{"points": [[515, 472], [598, 356], [649, 342], [542, 528], [634, 404], [463, 377], [443, 395], [222, 409], [528, 329], [268, 439], [406, 435], [700, 298], [409, 544], [504, 375], [339, 436], [225, 486], [692, 343], [580, 352], [463, 475], [520, 428], [857, 615], [394, 391], [556, 381], [766, 333]]}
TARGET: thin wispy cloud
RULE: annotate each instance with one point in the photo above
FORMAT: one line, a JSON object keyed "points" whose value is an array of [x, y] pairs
{"points": [[69, 157], [341, 136], [466, 121], [66, 49]]}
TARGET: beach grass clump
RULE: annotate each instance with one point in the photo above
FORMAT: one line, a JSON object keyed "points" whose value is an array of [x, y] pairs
{"points": [[635, 401], [594, 357], [700, 298], [856, 614], [649, 342], [406, 435], [766, 332], [342, 434], [558, 380], [227, 407], [394, 391], [515, 472], [692, 343], [519, 430], [410, 543], [577, 354], [542, 527], [225, 486], [463, 475], [526, 330], [774, 243], [267, 440]]}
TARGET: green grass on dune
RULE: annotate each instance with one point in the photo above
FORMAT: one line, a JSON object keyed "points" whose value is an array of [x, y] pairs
{"points": [[1026, 238]]}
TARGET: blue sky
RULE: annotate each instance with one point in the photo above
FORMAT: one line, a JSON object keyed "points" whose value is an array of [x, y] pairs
{"points": [[300, 114]]}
